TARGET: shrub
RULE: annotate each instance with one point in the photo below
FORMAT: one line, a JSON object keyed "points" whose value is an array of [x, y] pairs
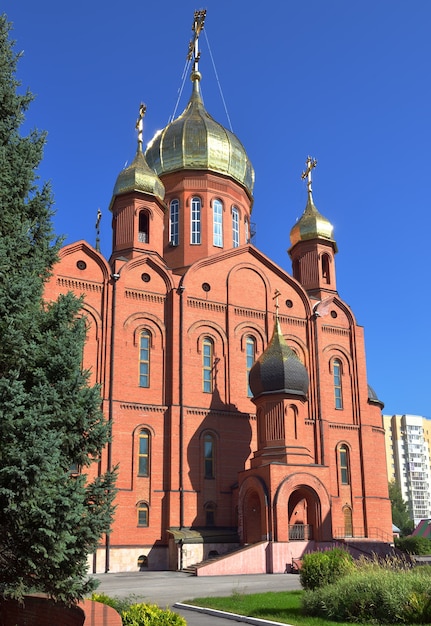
{"points": [[139, 614], [151, 615], [114, 603], [413, 545], [373, 596], [323, 568]]}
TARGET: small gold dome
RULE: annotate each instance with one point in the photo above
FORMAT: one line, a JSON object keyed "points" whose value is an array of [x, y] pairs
{"points": [[138, 176], [311, 225], [195, 141]]}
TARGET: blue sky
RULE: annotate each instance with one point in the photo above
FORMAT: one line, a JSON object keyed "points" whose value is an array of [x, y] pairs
{"points": [[345, 81]]}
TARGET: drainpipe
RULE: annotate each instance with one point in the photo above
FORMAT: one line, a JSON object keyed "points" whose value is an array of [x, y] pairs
{"points": [[321, 459], [180, 292], [114, 278]]}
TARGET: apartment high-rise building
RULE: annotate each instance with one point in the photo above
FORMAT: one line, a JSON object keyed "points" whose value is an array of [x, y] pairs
{"points": [[408, 460]]}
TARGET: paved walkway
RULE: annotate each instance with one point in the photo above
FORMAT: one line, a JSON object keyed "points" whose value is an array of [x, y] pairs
{"points": [[168, 588]]}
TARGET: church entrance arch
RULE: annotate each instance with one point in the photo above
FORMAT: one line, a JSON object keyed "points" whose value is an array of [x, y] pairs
{"points": [[303, 512]]}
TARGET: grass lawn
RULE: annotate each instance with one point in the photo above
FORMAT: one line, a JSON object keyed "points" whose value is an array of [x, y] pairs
{"points": [[282, 606]]}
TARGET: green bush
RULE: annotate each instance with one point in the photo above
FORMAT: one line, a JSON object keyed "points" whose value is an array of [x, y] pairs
{"points": [[323, 568], [139, 614], [150, 615], [373, 596], [413, 545]]}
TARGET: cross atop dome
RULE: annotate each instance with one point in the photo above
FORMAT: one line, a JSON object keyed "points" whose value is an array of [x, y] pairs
{"points": [[197, 26], [311, 164], [140, 125]]}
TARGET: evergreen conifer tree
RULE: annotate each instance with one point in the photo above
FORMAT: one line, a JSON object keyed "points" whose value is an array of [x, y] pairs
{"points": [[50, 418]]}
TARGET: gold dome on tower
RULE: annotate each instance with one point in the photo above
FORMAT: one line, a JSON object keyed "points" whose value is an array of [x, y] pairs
{"points": [[194, 140], [138, 176], [312, 224]]}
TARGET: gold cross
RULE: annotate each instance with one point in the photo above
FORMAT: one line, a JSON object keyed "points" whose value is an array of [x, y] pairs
{"points": [[311, 164], [275, 297], [197, 26], [140, 124]]}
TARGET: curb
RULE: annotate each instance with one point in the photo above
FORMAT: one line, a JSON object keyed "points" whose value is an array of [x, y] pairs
{"points": [[233, 616]]}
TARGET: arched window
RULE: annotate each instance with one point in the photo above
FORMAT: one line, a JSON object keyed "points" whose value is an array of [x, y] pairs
{"points": [[144, 358], [207, 365], [338, 390], [235, 227], [348, 522], [210, 510], [343, 459], [144, 453], [296, 269], [143, 514], [195, 237], [144, 227], [209, 456], [174, 222], [325, 269], [250, 357], [218, 223]]}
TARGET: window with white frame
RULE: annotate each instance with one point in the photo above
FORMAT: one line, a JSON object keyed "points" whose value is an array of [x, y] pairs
{"points": [[207, 365], [218, 223], [195, 236], [174, 216], [235, 227], [144, 358], [246, 231], [250, 351]]}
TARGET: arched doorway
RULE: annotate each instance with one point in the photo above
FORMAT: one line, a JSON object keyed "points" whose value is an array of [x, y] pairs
{"points": [[303, 511], [252, 518]]}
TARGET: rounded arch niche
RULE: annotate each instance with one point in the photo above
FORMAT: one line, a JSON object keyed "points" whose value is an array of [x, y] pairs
{"points": [[302, 509]]}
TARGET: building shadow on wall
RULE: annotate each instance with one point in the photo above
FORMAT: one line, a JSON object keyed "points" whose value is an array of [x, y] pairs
{"points": [[217, 451]]}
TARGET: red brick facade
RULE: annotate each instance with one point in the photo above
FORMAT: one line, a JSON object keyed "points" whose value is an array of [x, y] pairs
{"points": [[172, 330]]}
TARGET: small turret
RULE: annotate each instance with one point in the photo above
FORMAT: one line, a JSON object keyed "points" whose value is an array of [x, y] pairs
{"points": [[313, 246], [137, 205]]}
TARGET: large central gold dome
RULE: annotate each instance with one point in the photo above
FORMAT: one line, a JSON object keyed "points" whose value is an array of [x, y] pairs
{"points": [[195, 141]]}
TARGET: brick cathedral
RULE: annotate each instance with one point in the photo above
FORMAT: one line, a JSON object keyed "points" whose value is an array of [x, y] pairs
{"points": [[243, 424]]}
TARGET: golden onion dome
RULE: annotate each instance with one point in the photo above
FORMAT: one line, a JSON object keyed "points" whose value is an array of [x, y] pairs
{"points": [[138, 176], [311, 225], [195, 141]]}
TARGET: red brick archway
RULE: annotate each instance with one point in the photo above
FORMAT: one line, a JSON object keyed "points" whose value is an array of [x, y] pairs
{"points": [[252, 524], [302, 509], [303, 513]]}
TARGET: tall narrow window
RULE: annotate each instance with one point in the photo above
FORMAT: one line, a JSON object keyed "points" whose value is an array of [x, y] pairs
{"points": [[196, 221], [343, 454], [144, 227], [207, 364], [209, 449], [338, 390], [325, 269], [235, 227], [144, 453], [246, 231], [218, 223], [143, 514], [174, 215], [250, 351], [210, 509], [348, 522], [144, 358]]}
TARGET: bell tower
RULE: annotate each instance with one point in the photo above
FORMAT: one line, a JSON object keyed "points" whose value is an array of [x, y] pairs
{"points": [[313, 247], [137, 206]]}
